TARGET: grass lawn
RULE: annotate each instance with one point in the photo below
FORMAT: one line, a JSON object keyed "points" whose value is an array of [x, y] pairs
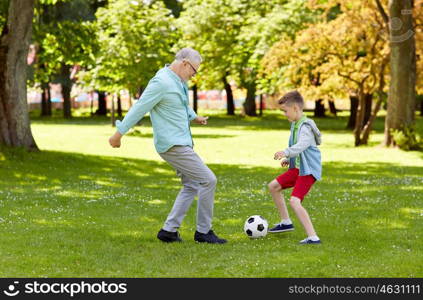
{"points": [[80, 208]]}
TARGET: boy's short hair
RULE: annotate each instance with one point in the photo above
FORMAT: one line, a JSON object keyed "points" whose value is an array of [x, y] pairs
{"points": [[293, 97]]}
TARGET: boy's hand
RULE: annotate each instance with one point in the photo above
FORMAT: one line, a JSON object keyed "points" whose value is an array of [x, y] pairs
{"points": [[114, 140], [279, 155], [285, 163], [201, 120]]}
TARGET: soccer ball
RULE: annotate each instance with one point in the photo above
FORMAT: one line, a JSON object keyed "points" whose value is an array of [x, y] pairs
{"points": [[256, 227]]}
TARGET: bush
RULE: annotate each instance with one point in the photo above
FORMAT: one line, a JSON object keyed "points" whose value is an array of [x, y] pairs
{"points": [[407, 139]]}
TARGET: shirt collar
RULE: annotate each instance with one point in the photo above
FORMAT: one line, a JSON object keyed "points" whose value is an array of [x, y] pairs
{"points": [[173, 74], [296, 124]]}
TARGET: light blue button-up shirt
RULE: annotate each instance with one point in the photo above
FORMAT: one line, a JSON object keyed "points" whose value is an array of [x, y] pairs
{"points": [[166, 98]]}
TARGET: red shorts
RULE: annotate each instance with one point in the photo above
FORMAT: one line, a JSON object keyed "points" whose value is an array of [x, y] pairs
{"points": [[301, 184]]}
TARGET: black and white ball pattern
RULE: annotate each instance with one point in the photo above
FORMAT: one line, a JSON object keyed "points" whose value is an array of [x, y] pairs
{"points": [[256, 226]]}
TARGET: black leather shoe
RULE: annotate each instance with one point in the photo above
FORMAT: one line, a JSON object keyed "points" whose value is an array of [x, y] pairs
{"points": [[168, 237], [209, 237]]}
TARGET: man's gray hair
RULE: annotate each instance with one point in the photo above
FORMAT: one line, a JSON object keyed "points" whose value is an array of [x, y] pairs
{"points": [[189, 54]]}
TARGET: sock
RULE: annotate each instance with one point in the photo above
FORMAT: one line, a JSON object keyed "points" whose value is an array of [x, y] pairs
{"points": [[286, 222], [313, 238]]}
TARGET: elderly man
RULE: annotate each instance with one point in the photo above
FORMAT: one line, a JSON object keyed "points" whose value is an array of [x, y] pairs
{"points": [[166, 98]]}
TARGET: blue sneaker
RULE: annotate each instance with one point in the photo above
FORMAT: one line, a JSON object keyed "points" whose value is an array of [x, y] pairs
{"points": [[281, 228], [309, 241]]}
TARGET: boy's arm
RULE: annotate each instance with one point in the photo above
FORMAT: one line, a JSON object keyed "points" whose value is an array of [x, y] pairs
{"points": [[305, 139]]}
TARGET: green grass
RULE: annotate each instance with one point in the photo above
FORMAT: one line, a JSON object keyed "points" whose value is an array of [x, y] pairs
{"points": [[80, 208]]}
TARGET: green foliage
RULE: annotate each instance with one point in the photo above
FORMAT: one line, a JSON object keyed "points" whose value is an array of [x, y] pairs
{"points": [[338, 55], [63, 36], [211, 27], [407, 138], [233, 35], [4, 5], [135, 40]]}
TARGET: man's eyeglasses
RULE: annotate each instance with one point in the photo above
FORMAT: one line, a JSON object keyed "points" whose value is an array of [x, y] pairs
{"points": [[195, 71]]}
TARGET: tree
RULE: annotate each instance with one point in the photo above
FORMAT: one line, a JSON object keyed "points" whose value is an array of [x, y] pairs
{"points": [[63, 34], [402, 87], [338, 57], [233, 36], [264, 26], [211, 27], [15, 130], [135, 40]]}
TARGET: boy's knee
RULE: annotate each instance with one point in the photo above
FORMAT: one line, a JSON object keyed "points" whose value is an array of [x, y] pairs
{"points": [[274, 186], [295, 202]]}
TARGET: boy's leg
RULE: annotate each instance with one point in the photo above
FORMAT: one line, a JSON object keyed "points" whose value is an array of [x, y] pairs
{"points": [[275, 190], [283, 181], [302, 215], [301, 188]]}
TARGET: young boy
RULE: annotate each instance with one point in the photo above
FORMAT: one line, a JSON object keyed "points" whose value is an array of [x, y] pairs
{"points": [[304, 160]]}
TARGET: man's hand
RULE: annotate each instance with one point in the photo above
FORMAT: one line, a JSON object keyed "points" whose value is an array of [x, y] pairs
{"points": [[279, 155], [285, 163], [114, 140], [201, 120]]}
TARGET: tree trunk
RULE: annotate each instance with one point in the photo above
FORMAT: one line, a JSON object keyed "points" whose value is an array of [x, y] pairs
{"points": [[45, 100], [353, 111], [332, 107], [250, 101], [369, 124], [64, 78], [91, 104], [15, 128], [368, 127], [230, 105], [102, 105], [421, 107], [195, 97], [368, 102], [119, 106], [319, 109], [113, 112], [261, 105], [402, 89], [360, 116], [67, 105]]}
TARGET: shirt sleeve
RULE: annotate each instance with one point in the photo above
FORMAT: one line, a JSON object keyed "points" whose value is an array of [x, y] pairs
{"points": [[191, 113], [304, 141], [152, 95]]}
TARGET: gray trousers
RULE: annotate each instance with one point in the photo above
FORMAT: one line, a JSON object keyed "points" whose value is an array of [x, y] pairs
{"points": [[197, 179]]}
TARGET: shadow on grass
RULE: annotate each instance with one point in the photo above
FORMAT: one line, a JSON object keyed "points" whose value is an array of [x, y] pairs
{"points": [[270, 120], [138, 133], [86, 212], [69, 177]]}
